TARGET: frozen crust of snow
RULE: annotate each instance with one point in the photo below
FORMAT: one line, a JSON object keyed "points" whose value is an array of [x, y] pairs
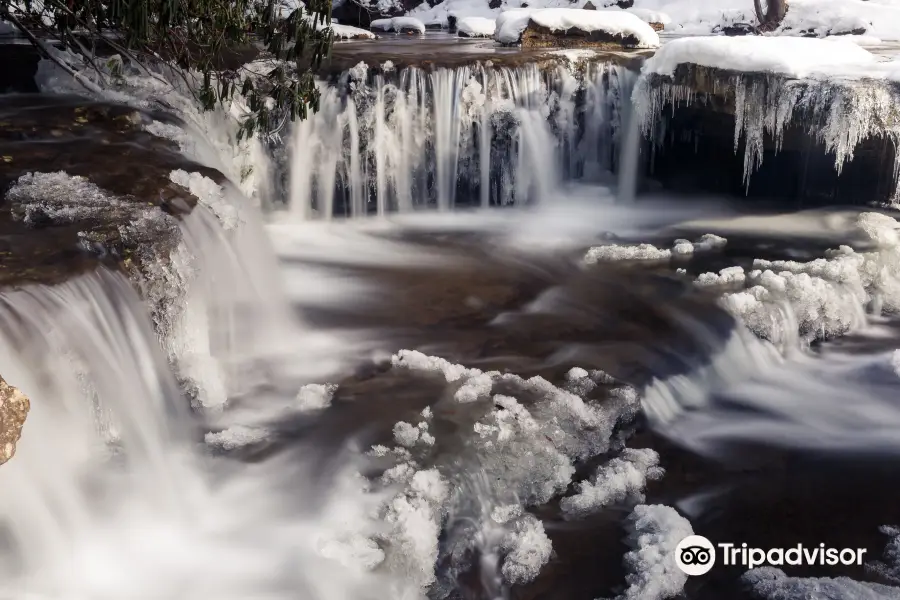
{"points": [[653, 573], [511, 24], [398, 24], [791, 56], [622, 478], [476, 26]]}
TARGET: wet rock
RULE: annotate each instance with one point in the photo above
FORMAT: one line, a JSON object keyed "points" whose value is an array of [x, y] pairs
{"points": [[19, 67], [14, 406], [537, 36], [494, 4], [361, 13], [101, 148]]}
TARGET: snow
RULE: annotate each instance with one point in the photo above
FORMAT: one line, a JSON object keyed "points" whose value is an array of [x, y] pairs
{"points": [[476, 26], [511, 24], [790, 56], [211, 195], [726, 276], [652, 572], [347, 32], [398, 24], [650, 16], [528, 549]]}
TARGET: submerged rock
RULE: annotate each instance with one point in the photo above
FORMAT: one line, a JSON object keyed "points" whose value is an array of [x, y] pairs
{"points": [[14, 406]]}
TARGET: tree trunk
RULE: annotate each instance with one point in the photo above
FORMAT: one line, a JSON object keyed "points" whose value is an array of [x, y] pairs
{"points": [[773, 15]]}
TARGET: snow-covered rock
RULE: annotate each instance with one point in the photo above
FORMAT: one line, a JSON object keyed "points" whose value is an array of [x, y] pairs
{"points": [[476, 27], [409, 25], [347, 32], [572, 26], [652, 570]]}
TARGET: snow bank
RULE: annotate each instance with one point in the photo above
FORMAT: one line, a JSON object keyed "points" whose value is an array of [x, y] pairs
{"points": [[476, 27], [399, 25], [511, 24], [793, 57], [652, 572]]}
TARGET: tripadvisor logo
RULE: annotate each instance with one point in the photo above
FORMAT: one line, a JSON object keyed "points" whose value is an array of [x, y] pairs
{"points": [[696, 555]]}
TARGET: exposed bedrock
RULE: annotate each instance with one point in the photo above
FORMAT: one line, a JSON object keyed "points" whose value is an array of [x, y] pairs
{"points": [[14, 406], [810, 141]]}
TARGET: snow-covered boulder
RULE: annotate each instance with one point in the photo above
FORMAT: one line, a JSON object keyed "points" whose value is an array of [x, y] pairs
{"points": [[408, 25], [573, 27], [476, 27], [346, 32]]}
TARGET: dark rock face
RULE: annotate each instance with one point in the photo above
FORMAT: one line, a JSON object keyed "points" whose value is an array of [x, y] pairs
{"points": [[361, 13], [493, 4], [589, 6], [107, 146], [19, 67]]}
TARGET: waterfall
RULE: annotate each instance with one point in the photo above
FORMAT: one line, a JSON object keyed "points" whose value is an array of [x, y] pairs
{"points": [[466, 136]]}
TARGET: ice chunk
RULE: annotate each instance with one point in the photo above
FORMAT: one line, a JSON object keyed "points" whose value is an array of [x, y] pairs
{"points": [[727, 276], [613, 252], [528, 549], [652, 571], [477, 386], [235, 437], [405, 434], [622, 478], [314, 396]]}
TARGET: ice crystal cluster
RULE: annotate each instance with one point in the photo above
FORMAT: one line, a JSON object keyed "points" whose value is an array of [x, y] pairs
{"points": [[524, 438]]}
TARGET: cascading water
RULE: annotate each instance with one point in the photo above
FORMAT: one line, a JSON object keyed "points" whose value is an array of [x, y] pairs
{"points": [[398, 140]]}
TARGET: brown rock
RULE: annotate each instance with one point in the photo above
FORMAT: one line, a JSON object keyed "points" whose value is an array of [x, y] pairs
{"points": [[536, 36], [14, 407], [657, 26]]}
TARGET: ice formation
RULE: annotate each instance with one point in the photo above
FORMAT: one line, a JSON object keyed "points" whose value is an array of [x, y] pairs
{"points": [[314, 396], [653, 574], [622, 478], [235, 437], [822, 298], [616, 252], [839, 112], [770, 583], [525, 448]]}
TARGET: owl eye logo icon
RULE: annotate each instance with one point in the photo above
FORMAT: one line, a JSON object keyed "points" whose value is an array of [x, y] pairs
{"points": [[695, 555]]}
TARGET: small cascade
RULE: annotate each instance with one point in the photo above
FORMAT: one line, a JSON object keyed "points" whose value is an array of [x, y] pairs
{"points": [[395, 140]]}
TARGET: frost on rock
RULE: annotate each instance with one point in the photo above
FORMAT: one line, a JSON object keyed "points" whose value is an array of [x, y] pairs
{"points": [[527, 549], [652, 572], [211, 195], [60, 198], [770, 583], [623, 478], [314, 396], [235, 437], [840, 112]]}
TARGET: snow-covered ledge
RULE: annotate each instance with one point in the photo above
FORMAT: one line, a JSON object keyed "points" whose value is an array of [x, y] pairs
{"points": [[832, 90]]}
